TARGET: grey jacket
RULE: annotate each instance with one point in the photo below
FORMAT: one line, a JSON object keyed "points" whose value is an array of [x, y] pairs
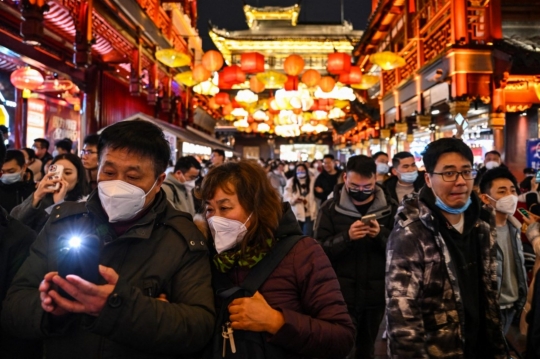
{"points": [[178, 195], [162, 253], [425, 313]]}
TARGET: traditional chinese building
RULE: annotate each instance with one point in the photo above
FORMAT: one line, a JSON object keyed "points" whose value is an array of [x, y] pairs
{"points": [[477, 58]]}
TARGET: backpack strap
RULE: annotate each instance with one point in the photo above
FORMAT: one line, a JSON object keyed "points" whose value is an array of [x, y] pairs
{"points": [[173, 189]]}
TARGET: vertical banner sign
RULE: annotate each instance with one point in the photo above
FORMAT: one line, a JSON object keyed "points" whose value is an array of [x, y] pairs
{"points": [[63, 122], [533, 153]]}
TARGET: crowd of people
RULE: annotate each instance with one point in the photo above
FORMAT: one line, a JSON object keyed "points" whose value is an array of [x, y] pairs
{"points": [[125, 255]]}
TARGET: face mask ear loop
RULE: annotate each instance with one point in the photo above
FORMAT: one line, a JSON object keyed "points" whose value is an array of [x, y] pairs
{"points": [[150, 190], [248, 219]]}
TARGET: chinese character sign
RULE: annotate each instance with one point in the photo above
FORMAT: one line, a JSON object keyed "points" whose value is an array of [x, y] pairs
{"points": [[533, 153]]}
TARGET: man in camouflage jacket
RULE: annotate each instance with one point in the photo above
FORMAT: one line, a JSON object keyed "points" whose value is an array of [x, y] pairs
{"points": [[441, 282]]}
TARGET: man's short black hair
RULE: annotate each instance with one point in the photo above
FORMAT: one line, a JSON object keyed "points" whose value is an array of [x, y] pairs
{"points": [[437, 148], [66, 144], [4, 129], [396, 160], [379, 154], [91, 140], [529, 171], [30, 152], [43, 143], [328, 156], [219, 152], [138, 137], [2, 153], [363, 165], [491, 175], [184, 164], [16, 155], [492, 153]]}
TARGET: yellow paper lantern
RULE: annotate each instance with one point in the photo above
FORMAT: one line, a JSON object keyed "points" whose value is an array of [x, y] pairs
{"points": [[185, 78], [367, 81], [272, 79], [387, 60], [173, 58]]}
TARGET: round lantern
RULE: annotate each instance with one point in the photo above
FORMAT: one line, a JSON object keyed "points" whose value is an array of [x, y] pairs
{"points": [[293, 65], [222, 98], [26, 78], [354, 76], [338, 63], [222, 84], [327, 84], [252, 62], [227, 109], [233, 75], [212, 60], [291, 84], [311, 78], [212, 103], [200, 73], [256, 85]]}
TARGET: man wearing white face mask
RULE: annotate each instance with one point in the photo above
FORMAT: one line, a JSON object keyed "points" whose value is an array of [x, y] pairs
{"points": [[498, 189], [152, 297], [179, 185], [406, 178], [13, 188]]}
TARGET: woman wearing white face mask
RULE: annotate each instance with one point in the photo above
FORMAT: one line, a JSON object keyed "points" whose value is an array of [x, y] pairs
{"points": [[298, 311], [299, 193], [499, 190]]}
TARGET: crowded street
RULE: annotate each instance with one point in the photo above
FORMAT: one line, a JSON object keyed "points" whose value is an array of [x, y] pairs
{"points": [[269, 179]]}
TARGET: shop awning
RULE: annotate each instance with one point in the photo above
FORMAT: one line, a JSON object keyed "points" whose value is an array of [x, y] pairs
{"points": [[214, 142]]}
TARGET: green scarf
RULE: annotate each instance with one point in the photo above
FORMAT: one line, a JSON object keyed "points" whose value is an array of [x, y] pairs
{"points": [[225, 261]]}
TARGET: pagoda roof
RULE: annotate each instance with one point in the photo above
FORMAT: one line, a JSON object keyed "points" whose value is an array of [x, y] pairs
{"points": [[255, 15]]}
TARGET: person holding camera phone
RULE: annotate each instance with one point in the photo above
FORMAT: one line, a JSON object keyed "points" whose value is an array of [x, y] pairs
{"points": [[353, 228], [65, 181], [152, 297]]}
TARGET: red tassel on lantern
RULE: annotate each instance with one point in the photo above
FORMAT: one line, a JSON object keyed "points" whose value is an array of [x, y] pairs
{"points": [[354, 76], [233, 75], [291, 84], [338, 63], [252, 62]]}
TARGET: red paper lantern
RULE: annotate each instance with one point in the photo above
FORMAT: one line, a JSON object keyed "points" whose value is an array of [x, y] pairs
{"points": [[222, 98], [26, 78], [327, 84], [200, 73], [293, 65], [212, 60], [256, 85], [252, 62], [325, 104], [227, 109], [338, 63], [222, 84], [291, 84], [212, 103], [233, 75], [311, 78], [353, 77]]}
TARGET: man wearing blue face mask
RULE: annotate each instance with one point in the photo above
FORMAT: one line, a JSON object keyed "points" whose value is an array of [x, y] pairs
{"points": [[13, 188], [405, 176], [441, 283], [353, 227], [152, 296]]}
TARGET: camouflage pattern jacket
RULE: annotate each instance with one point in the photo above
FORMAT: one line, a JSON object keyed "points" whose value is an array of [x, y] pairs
{"points": [[425, 313]]}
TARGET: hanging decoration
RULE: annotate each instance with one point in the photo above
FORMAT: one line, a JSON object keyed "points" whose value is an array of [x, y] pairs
{"points": [[338, 63], [293, 65], [256, 85], [212, 60], [327, 84], [26, 79], [387, 60], [233, 75], [291, 84], [222, 98], [252, 62], [173, 58], [354, 76], [185, 78], [200, 73], [311, 78], [272, 79], [366, 82]]}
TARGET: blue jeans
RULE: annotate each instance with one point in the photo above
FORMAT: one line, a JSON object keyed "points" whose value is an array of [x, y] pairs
{"points": [[507, 316], [307, 227]]}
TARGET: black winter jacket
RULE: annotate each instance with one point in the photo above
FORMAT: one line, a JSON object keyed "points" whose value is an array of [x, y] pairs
{"points": [[14, 194], [163, 253], [391, 183], [360, 264]]}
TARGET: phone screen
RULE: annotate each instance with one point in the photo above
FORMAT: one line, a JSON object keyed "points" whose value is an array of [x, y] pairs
{"points": [[538, 177], [524, 212]]}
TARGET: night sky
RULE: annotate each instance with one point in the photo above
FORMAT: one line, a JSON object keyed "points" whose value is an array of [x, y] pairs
{"points": [[228, 14]]}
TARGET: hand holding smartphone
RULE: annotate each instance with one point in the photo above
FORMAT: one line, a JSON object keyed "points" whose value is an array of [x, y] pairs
{"points": [[57, 171], [524, 212], [368, 218]]}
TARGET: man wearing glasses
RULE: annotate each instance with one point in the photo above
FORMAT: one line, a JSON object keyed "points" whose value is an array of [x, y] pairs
{"points": [[353, 228], [89, 157], [441, 282]]}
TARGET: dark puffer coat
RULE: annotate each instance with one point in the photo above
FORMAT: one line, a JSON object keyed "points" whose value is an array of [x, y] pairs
{"points": [[360, 264], [305, 289], [162, 253]]}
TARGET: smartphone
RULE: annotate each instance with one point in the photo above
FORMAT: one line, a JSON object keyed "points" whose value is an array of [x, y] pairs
{"points": [[538, 177], [524, 212], [58, 170], [79, 255], [368, 218]]}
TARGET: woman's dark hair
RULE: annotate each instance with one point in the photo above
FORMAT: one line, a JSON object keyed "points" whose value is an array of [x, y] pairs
{"points": [[256, 195], [30, 152], [80, 188], [436, 149], [138, 137], [296, 181]]}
